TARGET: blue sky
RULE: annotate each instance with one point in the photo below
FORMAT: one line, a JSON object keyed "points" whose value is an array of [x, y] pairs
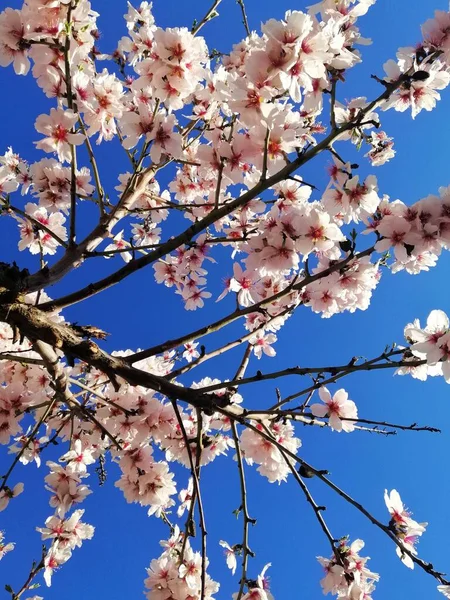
{"points": [[112, 565]]}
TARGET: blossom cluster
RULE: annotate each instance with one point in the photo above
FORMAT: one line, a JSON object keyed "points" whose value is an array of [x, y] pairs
{"points": [[177, 573], [427, 353], [404, 527], [346, 573], [65, 535], [273, 463]]}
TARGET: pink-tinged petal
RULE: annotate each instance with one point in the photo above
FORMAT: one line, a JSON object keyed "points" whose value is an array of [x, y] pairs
{"points": [[21, 64], [324, 394], [75, 139], [340, 396], [395, 502], [43, 124], [349, 410], [335, 422], [18, 489], [383, 245], [400, 253], [237, 271], [269, 351], [348, 426], [319, 410], [434, 355]]}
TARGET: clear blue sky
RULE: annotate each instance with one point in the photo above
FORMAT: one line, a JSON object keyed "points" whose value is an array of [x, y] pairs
{"points": [[112, 565]]}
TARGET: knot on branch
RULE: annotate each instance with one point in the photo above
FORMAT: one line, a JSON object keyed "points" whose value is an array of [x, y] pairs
{"points": [[89, 331]]}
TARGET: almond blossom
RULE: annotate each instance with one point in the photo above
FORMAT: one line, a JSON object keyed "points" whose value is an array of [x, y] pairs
{"points": [[259, 589], [35, 239], [8, 494], [12, 34], [5, 548], [346, 574], [185, 497], [242, 283], [230, 556], [317, 233], [57, 129], [421, 93], [432, 342], [259, 450], [338, 408], [118, 243], [406, 529], [178, 577], [78, 458], [262, 343]]}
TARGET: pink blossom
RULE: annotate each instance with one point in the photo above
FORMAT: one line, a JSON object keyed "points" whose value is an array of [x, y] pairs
{"points": [[5, 548], [262, 343], [230, 556], [165, 140], [78, 458], [12, 49], [57, 130], [406, 529], [338, 408], [7, 494]]}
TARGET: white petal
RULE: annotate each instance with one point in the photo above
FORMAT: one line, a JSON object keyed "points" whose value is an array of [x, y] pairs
{"points": [[437, 321]]}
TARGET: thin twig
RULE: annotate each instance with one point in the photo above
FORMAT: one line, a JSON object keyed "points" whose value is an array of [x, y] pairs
{"points": [[316, 508], [246, 551], [94, 165], [196, 490], [34, 571], [244, 16], [211, 14]]}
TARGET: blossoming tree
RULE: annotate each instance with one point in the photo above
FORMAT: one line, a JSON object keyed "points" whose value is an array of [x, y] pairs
{"points": [[231, 133]]}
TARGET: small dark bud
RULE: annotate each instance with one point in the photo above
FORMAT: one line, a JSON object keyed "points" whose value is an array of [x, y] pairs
{"points": [[304, 471], [420, 76], [191, 528], [346, 246]]}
